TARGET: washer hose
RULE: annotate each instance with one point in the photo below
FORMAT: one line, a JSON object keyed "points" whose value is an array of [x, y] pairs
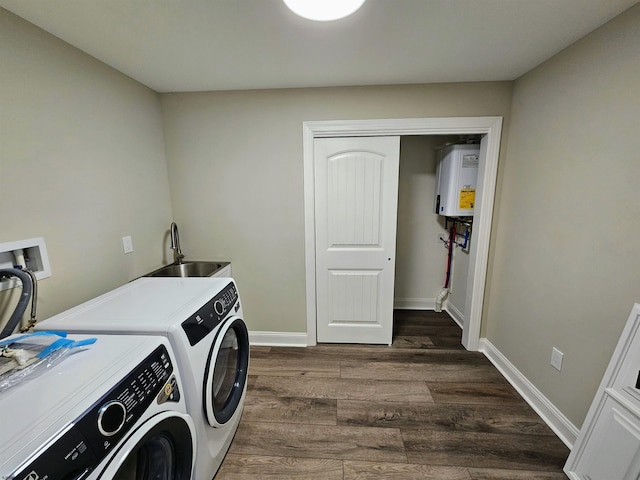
{"points": [[34, 301], [16, 316]]}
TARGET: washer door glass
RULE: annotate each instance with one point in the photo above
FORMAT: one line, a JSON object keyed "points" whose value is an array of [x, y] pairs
{"points": [[226, 374], [163, 453]]}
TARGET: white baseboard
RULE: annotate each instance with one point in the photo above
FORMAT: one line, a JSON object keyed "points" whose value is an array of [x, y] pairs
{"points": [[293, 339], [454, 313], [429, 304], [414, 303], [566, 431], [278, 339]]}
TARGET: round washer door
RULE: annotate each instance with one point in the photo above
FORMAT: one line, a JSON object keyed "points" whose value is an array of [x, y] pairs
{"points": [[163, 448], [226, 372]]}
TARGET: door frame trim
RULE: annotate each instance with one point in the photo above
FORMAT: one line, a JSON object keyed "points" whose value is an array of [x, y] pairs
{"points": [[485, 195]]}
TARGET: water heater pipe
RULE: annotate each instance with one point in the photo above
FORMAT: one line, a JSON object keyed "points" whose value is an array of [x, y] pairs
{"points": [[450, 245], [440, 298], [445, 289]]}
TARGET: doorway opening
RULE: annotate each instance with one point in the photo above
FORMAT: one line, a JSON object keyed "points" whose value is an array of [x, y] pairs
{"points": [[489, 128], [431, 270]]}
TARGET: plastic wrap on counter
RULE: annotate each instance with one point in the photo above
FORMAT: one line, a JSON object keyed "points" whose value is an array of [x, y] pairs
{"points": [[24, 357]]}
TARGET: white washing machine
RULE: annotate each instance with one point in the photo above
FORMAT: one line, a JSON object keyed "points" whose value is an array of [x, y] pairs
{"points": [[202, 318], [114, 410]]}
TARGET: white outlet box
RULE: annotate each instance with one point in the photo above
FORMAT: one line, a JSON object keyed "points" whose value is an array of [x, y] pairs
{"points": [[556, 358], [127, 244], [33, 251]]}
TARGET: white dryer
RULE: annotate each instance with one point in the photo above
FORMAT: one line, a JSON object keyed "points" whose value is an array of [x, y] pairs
{"points": [[202, 318], [111, 411]]}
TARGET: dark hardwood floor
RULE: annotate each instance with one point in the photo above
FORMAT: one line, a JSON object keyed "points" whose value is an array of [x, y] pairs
{"points": [[424, 408]]}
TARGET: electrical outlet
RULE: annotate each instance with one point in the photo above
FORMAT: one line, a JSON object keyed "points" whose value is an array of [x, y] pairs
{"points": [[127, 244], [556, 358]]}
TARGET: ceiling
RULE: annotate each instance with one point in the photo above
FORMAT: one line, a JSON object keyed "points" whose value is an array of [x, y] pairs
{"points": [[197, 45]]}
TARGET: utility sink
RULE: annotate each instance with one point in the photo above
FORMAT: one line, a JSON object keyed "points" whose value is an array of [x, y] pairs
{"points": [[189, 269]]}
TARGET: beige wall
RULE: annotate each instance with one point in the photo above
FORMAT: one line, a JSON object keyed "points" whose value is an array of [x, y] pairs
{"points": [[236, 169], [81, 164], [566, 268]]}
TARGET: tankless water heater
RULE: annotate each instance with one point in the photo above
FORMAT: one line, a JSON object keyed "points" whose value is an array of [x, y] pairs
{"points": [[456, 179]]}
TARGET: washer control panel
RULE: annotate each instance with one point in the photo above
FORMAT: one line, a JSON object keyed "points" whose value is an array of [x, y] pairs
{"points": [[209, 316], [83, 444]]}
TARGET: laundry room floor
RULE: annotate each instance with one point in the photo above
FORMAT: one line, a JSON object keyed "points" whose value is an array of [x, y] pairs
{"points": [[424, 408]]}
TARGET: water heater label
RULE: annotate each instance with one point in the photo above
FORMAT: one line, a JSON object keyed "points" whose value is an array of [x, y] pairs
{"points": [[467, 198], [470, 161]]}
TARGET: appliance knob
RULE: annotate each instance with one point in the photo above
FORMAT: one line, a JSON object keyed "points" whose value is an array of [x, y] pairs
{"points": [[218, 306], [111, 417]]}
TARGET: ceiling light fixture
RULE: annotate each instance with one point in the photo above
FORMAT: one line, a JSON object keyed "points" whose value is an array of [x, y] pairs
{"points": [[323, 10]]}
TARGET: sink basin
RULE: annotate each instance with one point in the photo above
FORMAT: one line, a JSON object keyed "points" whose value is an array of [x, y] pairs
{"points": [[188, 269]]}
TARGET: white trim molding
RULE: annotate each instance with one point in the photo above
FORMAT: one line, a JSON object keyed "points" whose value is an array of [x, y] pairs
{"points": [[414, 303], [278, 339], [489, 127], [454, 313], [560, 424]]}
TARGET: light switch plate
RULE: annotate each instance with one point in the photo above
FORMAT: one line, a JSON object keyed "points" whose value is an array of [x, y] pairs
{"points": [[127, 244], [556, 358]]}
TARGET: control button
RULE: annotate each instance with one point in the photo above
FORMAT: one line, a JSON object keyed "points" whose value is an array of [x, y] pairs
{"points": [[169, 392], [111, 418], [218, 306]]}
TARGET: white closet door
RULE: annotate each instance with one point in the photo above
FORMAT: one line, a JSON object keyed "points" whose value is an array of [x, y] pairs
{"points": [[356, 188]]}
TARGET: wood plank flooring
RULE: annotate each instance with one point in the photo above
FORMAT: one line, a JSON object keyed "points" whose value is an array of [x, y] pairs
{"points": [[424, 408]]}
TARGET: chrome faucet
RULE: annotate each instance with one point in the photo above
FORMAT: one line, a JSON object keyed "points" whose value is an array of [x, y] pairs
{"points": [[175, 244]]}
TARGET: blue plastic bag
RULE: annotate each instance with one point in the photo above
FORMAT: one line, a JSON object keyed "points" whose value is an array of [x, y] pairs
{"points": [[24, 357]]}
